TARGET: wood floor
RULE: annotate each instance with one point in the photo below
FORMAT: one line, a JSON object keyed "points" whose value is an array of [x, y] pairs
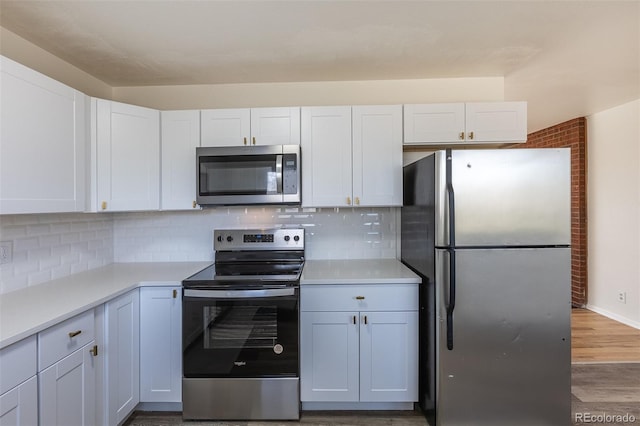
{"points": [[596, 338]]}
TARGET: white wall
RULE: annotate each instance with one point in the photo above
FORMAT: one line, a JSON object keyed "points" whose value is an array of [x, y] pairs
{"points": [[314, 93], [613, 200]]}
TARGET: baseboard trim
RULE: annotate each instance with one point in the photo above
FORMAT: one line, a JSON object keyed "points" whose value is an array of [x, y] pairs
{"points": [[614, 316], [355, 406]]}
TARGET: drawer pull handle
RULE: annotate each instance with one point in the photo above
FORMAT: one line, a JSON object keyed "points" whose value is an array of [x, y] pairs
{"points": [[94, 350], [359, 297], [365, 320], [73, 334], [354, 319], [175, 293]]}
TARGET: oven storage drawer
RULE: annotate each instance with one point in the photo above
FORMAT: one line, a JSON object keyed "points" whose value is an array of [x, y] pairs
{"points": [[359, 297]]}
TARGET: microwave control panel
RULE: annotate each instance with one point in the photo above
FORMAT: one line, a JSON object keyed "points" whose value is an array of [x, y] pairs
{"points": [[289, 174]]}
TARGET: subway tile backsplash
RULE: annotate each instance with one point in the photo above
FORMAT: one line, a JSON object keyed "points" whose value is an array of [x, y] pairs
{"points": [[50, 246]]}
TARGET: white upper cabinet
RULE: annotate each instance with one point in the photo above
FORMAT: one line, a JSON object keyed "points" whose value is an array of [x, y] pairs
{"points": [[326, 156], [377, 155], [460, 123], [180, 135], [126, 164], [42, 143], [255, 126], [352, 156]]}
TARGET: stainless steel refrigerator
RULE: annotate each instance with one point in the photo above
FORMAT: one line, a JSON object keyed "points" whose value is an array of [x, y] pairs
{"points": [[489, 233]]}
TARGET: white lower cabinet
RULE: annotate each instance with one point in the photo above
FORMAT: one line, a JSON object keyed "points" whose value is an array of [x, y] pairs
{"points": [[122, 356], [67, 390], [161, 344], [67, 372], [366, 354], [19, 406], [19, 384]]}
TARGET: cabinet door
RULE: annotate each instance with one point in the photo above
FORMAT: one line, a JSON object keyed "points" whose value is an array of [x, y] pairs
{"points": [[329, 356], [128, 157], [122, 356], [434, 123], [225, 127], [67, 390], [496, 122], [326, 157], [377, 155], [389, 356], [19, 406], [275, 126], [161, 344], [180, 135], [42, 143]]}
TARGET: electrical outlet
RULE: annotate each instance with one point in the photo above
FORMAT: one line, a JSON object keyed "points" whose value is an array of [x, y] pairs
{"points": [[6, 251], [622, 296]]}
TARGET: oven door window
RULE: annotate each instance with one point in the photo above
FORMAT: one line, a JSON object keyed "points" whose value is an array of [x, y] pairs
{"points": [[255, 337], [238, 175]]}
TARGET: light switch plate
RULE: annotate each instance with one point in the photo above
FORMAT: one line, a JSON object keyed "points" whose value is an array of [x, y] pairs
{"points": [[6, 252]]}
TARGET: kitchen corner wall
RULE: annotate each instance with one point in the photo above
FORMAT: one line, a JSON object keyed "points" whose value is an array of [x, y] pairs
{"points": [[50, 246]]}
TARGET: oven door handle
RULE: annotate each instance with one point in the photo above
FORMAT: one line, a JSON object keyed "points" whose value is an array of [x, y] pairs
{"points": [[240, 294]]}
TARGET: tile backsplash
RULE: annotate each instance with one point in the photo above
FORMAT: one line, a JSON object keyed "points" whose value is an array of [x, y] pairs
{"points": [[50, 246]]}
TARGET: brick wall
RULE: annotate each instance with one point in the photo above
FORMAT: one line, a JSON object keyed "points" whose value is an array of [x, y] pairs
{"points": [[571, 134]]}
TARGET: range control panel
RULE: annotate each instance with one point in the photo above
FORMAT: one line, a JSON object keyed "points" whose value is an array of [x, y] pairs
{"points": [[258, 239]]}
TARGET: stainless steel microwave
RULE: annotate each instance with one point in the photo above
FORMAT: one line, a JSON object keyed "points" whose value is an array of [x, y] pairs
{"points": [[247, 175]]}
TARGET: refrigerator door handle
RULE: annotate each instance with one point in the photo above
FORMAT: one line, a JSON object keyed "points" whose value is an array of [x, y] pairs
{"points": [[451, 303]]}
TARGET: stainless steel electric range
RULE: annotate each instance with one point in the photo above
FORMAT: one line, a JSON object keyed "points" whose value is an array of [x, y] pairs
{"points": [[240, 323]]}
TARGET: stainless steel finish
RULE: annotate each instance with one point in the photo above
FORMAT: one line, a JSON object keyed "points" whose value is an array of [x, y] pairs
{"points": [[512, 318], [283, 239], [241, 294], [511, 197], [229, 399], [252, 199], [279, 173]]}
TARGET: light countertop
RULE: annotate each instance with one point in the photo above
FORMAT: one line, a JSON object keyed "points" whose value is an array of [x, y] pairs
{"points": [[33, 309], [29, 311], [357, 271]]}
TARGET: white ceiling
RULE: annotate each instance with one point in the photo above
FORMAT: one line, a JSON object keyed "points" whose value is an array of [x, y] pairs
{"points": [[566, 58]]}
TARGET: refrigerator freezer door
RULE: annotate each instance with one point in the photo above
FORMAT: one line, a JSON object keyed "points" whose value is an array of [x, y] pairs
{"points": [[506, 197], [511, 357]]}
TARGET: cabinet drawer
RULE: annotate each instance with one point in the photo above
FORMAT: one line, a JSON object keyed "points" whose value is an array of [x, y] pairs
{"points": [[62, 339], [342, 297], [17, 363]]}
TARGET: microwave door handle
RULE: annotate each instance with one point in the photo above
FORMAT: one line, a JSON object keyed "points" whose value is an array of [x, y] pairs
{"points": [[279, 173]]}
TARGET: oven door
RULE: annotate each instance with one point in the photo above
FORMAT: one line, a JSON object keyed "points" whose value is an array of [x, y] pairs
{"points": [[240, 333], [248, 175]]}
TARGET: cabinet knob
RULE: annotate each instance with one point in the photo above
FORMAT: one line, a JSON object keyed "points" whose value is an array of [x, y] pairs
{"points": [[461, 136], [104, 205], [471, 136], [349, 201], [194, 204], [253, 139], [357, 201], [175, 293], [245, 141], [73, 334]]}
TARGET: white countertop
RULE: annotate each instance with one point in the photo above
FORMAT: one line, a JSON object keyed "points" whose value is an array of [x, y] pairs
{"points": [[358, 271], [29, 311]]}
